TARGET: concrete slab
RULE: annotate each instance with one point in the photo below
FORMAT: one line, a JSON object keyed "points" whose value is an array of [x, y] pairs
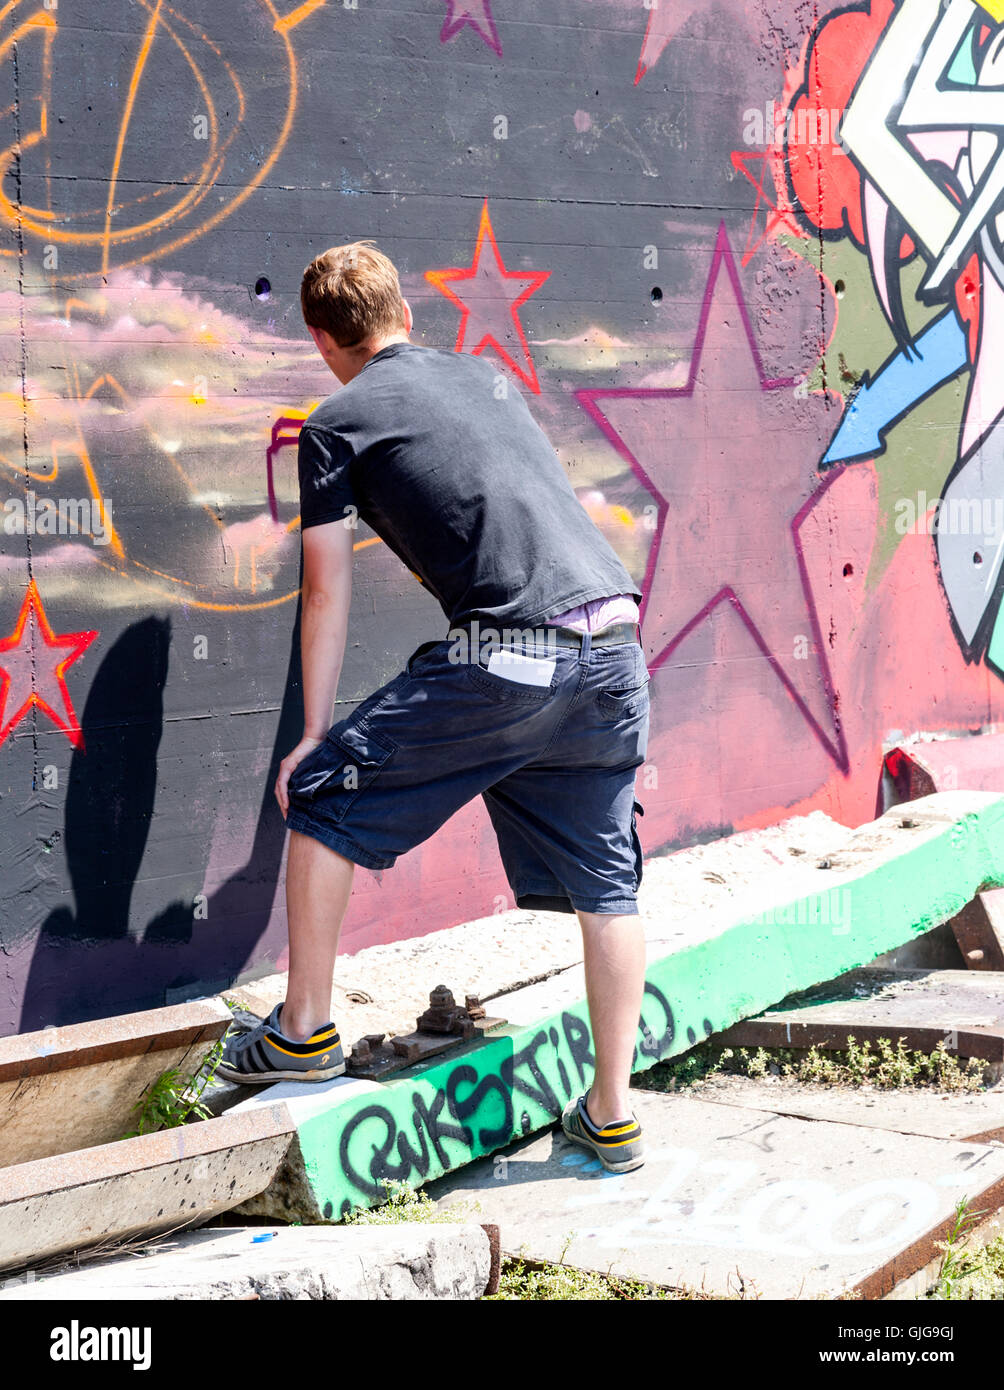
{"points": [[412, 1260], [155, 1182], [795, 1208], [74, 1087], [962, 1008], [978, 1117], [886, 882]]}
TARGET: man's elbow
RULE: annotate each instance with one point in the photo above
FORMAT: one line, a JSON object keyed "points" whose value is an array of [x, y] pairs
{"points": [[318, 597]]}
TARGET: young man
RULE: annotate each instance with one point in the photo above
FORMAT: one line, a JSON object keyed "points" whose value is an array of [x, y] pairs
{"points": [[537, 700]]}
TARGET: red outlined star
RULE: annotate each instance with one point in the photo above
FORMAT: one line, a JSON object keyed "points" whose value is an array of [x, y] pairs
{"points": [[476, 13], [28, 678], [779, 219], [489, 317]]}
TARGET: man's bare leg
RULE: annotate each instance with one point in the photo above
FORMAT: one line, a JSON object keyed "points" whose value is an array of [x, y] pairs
{"points": [[614, 958], [318, 884]]}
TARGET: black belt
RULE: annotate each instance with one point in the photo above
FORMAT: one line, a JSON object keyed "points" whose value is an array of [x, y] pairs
{"points": [[546, 635], [615, 635]]}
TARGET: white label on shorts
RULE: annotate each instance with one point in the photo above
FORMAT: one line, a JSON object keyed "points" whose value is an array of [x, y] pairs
{"points": [[525, 670]]}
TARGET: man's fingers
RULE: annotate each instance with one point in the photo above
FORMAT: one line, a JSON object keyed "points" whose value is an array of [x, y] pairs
{"points": [[281, 794]]}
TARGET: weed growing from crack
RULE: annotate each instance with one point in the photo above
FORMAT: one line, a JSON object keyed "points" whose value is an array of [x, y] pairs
{"points": [[884, 1066], [175, 1096]]}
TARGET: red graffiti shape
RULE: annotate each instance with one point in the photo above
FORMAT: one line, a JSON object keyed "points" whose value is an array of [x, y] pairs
{"points": [[31, 676], [489, 296], [824, 180]]}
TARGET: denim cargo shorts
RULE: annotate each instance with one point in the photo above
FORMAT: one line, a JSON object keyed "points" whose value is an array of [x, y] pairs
{"points": [[554, 763]]}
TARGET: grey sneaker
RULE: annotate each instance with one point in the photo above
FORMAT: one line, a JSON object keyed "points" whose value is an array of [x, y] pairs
{"points": [[618, 1146], [263, 1054]]}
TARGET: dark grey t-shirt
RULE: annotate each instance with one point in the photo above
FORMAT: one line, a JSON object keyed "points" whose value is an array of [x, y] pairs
{"points": [[454, 474]]}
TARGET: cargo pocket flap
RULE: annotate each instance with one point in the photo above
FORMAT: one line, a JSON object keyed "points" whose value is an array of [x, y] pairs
{"points": [[364, 747]]}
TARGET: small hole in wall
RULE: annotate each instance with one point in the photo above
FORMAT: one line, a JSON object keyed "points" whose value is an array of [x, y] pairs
{"points": [[977, 558], [848, 570], [839, 288], [262, 288], [656, 295]]}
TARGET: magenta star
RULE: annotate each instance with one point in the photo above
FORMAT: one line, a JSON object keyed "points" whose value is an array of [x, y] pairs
{"points": [[476, 13], [727, 460]]}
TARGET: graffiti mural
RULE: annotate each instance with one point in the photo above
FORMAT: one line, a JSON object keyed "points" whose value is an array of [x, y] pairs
{"points": [[745, 264], [921, 183], [454, 1111]]}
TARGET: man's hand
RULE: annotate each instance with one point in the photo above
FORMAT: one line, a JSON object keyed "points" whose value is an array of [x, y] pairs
{"points": [[288, 766]]}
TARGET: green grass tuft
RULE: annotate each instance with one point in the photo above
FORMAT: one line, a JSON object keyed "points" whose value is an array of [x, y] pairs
{"points": [[883, 1066]]}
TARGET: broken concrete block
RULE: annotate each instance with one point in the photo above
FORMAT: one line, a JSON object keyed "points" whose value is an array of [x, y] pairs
{"points": [[74, 1087], [883, 884], [152, 1183], [921, 766], [409, 1260], [979, 931]]}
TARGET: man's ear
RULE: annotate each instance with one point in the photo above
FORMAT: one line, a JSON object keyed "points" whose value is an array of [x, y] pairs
{"points": [[408, 317]]}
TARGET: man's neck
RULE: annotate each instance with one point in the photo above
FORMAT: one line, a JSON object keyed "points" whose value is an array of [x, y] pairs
{"points": [[381, 343]]}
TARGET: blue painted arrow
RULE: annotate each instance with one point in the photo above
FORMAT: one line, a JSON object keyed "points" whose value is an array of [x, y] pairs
{"points": [[938, 354]]}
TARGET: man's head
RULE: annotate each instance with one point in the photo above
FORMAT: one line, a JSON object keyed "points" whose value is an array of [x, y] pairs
{"points": [[352, 304]]}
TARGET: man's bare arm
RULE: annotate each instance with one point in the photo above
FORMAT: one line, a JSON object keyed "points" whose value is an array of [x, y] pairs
{"points": [[324, 619]]}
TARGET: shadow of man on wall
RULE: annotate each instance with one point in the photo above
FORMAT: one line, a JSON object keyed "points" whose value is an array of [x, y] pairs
{"points": [[88, 962]]}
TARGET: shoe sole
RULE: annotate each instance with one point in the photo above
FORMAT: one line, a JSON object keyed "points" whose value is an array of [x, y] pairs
{"points": [[627, 1166], [262, 1078]]}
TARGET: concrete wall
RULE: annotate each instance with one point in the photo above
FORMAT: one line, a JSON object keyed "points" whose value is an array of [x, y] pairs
{"points": [[688, 290]]}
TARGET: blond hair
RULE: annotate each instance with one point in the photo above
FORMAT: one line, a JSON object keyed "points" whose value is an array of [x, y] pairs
{"points": [[352, 292]]}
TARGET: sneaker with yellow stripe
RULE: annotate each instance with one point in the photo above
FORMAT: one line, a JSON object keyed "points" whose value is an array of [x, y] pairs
{"points": [[264, 1054], [618, 1146]]}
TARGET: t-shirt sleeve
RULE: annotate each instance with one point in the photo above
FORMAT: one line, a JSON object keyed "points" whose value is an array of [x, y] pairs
{"points": [[323, 464]]}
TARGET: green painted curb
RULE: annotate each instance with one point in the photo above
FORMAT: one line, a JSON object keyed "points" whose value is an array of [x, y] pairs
{"points": [[444, 1113]]}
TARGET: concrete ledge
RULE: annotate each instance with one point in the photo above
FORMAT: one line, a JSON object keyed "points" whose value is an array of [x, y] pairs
{"points": [[152, 1183], [70, 1088], [412, 1260], [885, 884]]}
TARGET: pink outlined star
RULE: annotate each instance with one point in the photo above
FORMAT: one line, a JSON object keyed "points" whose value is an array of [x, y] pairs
{"points": [[664, 22], [489, 312], [25, 682], [727, 525], [476, 13]]}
